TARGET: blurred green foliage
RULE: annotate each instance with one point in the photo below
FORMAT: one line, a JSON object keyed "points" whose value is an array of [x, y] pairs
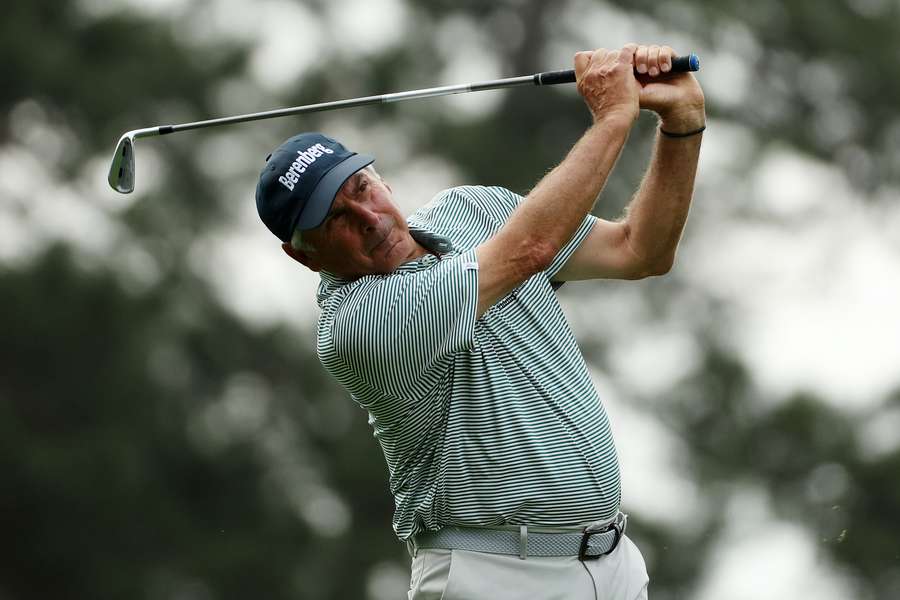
{"points": [[113, 479]]}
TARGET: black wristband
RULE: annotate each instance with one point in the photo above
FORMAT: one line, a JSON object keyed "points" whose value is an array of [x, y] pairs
{"points": [[682, 135]]}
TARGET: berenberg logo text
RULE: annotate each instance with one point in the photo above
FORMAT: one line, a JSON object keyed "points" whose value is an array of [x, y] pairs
{"points": [[298, 167]]}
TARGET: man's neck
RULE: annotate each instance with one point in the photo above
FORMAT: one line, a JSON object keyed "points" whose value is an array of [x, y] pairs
{"points": [[419, 251]]}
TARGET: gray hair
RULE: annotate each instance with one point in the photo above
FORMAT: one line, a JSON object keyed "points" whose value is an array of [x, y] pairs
{"points": [[297, 242]]}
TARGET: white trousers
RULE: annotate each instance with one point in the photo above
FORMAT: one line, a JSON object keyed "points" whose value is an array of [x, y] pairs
{"points": [[465, 575]]}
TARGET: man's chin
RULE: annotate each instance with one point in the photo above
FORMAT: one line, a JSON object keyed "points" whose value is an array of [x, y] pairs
{"points": [[391, 251], [389, 260]]}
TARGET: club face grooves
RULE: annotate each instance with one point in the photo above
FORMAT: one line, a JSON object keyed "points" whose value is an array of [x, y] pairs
{"points": [[121, 171]]}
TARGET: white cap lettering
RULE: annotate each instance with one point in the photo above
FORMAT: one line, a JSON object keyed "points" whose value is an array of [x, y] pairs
{"points": [[286, 183], [305, 158]]}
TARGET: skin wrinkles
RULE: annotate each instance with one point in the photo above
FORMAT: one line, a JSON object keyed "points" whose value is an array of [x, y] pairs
{"points": [[363, 234]]}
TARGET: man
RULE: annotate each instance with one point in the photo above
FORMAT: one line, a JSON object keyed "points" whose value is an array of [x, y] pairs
{"points": [[446, 329]]}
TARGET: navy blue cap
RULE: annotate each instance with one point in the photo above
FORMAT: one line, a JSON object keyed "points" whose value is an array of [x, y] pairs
{"points": [[297, 186]]}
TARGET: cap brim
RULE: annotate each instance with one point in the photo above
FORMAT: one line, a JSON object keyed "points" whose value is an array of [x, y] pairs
{"points": [[322, 198]]}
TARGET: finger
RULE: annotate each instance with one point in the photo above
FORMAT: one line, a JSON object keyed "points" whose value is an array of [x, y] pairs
{"points": [[653, 61], [666, 53], [626, 56], [640, 59], [600, 55], [582, 61]]}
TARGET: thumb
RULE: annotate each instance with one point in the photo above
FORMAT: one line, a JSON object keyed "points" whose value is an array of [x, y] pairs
{"points": [[657, 97], [582, 61]]}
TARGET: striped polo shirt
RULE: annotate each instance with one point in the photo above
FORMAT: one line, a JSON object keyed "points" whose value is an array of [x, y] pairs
{"points": [[484, 421]]}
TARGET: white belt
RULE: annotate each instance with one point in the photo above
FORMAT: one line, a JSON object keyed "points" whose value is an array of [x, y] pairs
{"points": [[590, 543]]}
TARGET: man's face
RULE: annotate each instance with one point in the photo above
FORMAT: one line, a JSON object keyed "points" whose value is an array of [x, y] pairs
{"points": [[363, 234]]}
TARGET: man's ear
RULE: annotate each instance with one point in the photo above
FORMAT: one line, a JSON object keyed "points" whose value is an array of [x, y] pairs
{"points": [[301, 257]]}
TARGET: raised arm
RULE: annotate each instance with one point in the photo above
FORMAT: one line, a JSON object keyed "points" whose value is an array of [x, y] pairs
{"points": [[550, 214], [644, 242]]}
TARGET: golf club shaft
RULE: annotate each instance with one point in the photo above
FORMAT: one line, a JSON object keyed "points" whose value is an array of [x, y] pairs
{"points": [[679, 64], [121, 170]]}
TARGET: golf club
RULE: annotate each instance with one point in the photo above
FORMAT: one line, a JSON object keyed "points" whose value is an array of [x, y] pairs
{"points": [[121, 171]]}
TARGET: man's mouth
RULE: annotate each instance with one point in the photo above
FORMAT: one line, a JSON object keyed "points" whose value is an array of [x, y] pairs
{"points": [[389, 246], [378, 245], [383, 244]]}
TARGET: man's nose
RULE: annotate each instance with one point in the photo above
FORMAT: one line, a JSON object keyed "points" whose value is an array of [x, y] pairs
{"points": [[365, 216]]}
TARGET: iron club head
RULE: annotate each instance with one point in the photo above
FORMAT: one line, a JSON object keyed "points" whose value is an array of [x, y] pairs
{"points": [[121, 170]]}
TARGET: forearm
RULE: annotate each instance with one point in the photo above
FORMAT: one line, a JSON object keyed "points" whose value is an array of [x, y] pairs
{"points": [[656, 215], [550, 214], [543, 222]]}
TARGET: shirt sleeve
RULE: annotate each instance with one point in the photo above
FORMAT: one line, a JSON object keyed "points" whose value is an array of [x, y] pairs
{"points": [[499, 203], [566, 252], [397, 334]]}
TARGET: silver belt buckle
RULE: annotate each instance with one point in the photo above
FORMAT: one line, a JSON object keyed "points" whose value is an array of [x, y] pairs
{"points": [[617, 525]]}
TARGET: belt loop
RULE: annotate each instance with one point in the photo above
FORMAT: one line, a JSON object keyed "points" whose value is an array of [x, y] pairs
{"points": [[523, 541]]}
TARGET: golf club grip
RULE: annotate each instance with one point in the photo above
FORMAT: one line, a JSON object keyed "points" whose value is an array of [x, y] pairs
{"points": [[680, 64]]}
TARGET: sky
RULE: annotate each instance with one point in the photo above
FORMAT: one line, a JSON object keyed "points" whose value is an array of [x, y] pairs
{"points": [[807, 266]]}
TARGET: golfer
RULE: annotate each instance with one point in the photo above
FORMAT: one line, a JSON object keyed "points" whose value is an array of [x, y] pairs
{"points": [[445, 327]]}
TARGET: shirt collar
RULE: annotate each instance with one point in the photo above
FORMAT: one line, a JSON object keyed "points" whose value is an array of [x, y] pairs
{"points": [[433, 242]]}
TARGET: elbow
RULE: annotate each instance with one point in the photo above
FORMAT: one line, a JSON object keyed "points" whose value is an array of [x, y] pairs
{"points": [[642, 268], [543, 254], [659, 267], [534, 256], [542, 262], [640, 264]]}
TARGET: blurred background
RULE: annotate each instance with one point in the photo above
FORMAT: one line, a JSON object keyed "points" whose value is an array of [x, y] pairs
{"points": [[165, 428]]}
